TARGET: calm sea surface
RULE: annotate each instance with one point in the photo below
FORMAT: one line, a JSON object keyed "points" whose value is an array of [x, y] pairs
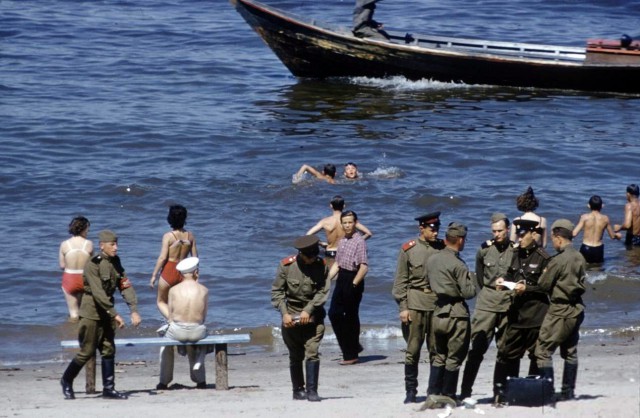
{"points": [[117, 109]]}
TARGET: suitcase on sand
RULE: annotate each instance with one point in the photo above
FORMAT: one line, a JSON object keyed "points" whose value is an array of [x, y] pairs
{"points": [[529, 391]]}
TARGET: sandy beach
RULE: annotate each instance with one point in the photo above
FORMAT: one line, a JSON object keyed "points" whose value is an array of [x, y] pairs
{"points": [[608, 386]]}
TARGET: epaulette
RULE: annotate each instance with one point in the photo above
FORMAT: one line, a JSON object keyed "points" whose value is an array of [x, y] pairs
{"points": [[288, 260], [97, 259], [543, 253], [488, 243], [125, 283], [408, 245]]}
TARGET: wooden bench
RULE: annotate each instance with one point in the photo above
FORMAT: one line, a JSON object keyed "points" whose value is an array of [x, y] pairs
{"points": [[218, 341]]}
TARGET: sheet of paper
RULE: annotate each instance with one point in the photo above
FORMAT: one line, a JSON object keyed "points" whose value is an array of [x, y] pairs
{"points": [[509, 285]]}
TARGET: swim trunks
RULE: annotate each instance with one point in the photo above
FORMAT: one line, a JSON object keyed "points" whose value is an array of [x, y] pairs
{"points": [[330, 253], [72, 281], [170, 274], [592, 254], [632, 240]]}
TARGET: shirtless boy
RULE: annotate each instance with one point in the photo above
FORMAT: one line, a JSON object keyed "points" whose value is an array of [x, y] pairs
{"points": [[328, 172], [631, 217], [594, 224], [351, 171], [333, 229]]}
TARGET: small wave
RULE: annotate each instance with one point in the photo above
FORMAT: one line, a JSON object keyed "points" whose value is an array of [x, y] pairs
{"points": [[386, 173], [399, 83], [630, 331], [374, 333], [596, 276]]}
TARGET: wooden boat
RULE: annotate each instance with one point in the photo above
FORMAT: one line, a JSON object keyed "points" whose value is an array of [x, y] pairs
{"points": [[318, 50]]}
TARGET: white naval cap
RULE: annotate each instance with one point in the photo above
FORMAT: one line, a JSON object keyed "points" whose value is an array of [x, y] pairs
{"points": [[188, 265]]}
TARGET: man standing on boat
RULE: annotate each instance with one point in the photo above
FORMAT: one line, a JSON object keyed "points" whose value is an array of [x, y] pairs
{"points": [[363, 24]]}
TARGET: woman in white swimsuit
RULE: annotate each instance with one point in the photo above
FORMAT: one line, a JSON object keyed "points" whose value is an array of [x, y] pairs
{"points": [[73, 255]]}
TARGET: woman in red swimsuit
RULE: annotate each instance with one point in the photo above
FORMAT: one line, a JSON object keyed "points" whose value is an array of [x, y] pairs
{"points": [[177, 245], [73, 255]]}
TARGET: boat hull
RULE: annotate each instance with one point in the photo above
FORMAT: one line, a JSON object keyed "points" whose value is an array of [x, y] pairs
{"points": [[313, 51]]}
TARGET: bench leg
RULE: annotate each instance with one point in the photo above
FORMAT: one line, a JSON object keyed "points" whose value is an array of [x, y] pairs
{"points": [[222, 376], [90, 379]]}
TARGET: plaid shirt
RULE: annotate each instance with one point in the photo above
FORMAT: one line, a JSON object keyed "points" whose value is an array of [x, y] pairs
{"points": [[351, 252]]}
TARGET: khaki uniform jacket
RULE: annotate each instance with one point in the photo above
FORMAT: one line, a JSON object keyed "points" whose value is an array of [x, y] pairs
{"points": [[450, 279], [491, 264], [411, 276], [528, 309], [300, 286], [564, 281], [102, 276]]}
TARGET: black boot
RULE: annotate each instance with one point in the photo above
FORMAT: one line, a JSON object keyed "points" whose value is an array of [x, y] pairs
{"points": [[411, 382], [436, 374], [313, 370], [500, 374], [534, 370], [469, 375], [67, 379], [513, 368], [569, 376], [547, 373], [450, 383], [108, 380], [297, 381]]}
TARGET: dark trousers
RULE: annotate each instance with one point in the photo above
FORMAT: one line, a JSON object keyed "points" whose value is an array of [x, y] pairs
{"points": [[343, 313]]}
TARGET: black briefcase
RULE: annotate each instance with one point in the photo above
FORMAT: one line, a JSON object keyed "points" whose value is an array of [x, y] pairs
{"points": [[529, 391]]}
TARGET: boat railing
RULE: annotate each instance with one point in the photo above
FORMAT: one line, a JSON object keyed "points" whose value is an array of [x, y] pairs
{"points": [[484, 47]]}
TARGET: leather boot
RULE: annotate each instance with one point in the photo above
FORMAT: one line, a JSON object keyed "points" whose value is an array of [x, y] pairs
{"points": [[513, 368], [108, 380], [67, 379], [410, 382], [436, 374], [569, 376], [450, 383], [534, 370], [297, 381], [500, 374], [313, 370], [469, 375]]}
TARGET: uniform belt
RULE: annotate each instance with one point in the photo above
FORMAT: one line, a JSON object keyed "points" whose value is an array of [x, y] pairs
{"points": [[422, 289]]}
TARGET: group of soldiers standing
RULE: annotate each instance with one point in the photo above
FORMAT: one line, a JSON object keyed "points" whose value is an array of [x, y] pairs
{"points": [[528, 301]]}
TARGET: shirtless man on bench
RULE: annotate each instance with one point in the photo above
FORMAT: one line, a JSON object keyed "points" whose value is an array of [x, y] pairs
{"points": [[188, 302]]}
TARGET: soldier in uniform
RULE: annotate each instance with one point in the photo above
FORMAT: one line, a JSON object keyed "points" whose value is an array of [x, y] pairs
{"points": [[102, 276], [299, 291], [563, 280], [490, 316], [527, 310], [450, 280], [416, 301]]}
